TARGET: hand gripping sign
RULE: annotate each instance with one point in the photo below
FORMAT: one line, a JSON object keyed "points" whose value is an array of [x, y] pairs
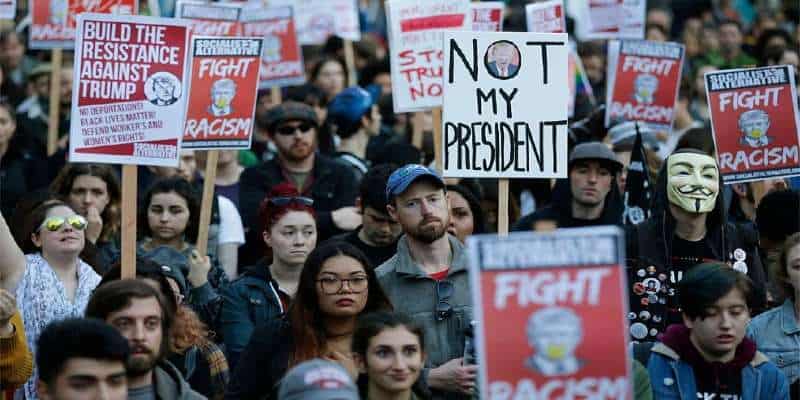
{"points": [[540, 300], [222, 102], [130, 90], [490, 127], [755, 122], [644, 79], [53, 21]]}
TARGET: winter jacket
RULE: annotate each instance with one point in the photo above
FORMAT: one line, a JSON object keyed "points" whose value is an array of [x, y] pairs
{"points": [[262, 363], [777, 334], [248, 302], [204, 367], [673, 377], [170, 385]]}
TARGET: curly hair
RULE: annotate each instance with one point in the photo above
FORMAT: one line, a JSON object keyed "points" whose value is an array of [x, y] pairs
{"points": [[187, 330]]}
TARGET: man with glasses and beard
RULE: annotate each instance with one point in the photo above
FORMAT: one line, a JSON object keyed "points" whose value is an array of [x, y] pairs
{"points": [[427, 278], [292, 127], [142, 315]]}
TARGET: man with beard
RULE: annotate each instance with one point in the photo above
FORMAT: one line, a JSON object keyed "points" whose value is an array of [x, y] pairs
{"points": [[292, 127], [427, 278], [139, 312]]}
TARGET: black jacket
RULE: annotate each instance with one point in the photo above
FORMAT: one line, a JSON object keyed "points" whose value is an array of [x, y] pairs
{"points": [[263, 362], [334, 186]]}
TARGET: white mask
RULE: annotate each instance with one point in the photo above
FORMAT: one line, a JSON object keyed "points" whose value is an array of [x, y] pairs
{"points": [[692, 182]]}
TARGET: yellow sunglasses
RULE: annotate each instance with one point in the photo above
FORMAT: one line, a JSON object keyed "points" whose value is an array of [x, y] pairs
{"points": [[53, 224]]}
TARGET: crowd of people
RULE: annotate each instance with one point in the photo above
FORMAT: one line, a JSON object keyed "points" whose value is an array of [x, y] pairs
{"points": [[336, 265]]}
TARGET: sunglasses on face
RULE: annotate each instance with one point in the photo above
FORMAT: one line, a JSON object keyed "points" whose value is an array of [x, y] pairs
{"points": [[288, 130], [53, 224], [282, 201]]}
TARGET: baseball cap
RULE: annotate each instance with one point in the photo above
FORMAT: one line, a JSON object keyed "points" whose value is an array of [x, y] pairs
{"points": [[317, 380], [173, 264], [595, 151], [349, 106], [289, 111], [404, 176]]}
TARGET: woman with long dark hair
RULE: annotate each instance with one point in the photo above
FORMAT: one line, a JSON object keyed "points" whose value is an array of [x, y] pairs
{"points": [[337, 285]]}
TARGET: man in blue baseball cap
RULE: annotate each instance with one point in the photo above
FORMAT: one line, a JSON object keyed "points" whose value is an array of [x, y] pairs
{"points": [[353, 116], [427, 277]]}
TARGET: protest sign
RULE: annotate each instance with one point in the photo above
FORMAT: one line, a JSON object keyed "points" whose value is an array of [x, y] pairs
{"points": [[487, 16], [282, 60], [8, 9], [490, 127], [416, 28], [755, 122], [210, 19], [53, 21], [643, 84], [130, 90], [546, 295], [546, 17], [316, 20], [614, 19], [223, 97]]}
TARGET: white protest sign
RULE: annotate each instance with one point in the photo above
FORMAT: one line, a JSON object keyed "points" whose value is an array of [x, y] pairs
{"points": [[8, 9], [415, 37], [546, 16], [487, 16], [316, 20], [505, 105], [130, 88]]}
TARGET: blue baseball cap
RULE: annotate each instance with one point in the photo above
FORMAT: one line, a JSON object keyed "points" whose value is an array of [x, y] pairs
{"points": [[349, 106], [404, 176]]}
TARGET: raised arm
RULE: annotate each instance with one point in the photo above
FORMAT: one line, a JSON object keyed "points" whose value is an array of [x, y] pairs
{"points": [[12, 260]]}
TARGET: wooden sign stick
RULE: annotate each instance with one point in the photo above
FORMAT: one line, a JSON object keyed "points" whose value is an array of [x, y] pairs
{"points": [[275, 93], [129, 189], [208, 199], [55, 102], [417, 122], [437, 138], [350, 62], [502, 207]]}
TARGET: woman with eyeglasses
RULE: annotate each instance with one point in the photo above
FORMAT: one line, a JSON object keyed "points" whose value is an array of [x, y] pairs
{"points": [[265, 289], [337, 285], [168, 224], [46, 274], [389, 350]]}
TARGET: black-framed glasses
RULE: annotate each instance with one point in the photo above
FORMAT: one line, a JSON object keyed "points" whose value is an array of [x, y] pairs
{"points": [[444, 291], [53, 224], [288, 130], [285, 200], [334, 284]]}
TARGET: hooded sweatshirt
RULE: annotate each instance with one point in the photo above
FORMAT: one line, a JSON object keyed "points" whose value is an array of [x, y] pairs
{"points": [[170, 385], [713, 380]]}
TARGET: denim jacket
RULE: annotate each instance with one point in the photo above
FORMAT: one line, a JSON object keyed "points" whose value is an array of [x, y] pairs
{"points": [[777, 334], [673, 378]]}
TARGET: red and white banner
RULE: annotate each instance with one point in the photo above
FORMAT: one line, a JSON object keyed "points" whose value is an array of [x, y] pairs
{"points": [[540, 300], [614, 19], [755, 122], [546, 17], [224, 86], [487, 16], [8, 9], [319, 19], [282, 60], [643, 81], [210, 19], [53, 21], [415, 36], [130, 89]]}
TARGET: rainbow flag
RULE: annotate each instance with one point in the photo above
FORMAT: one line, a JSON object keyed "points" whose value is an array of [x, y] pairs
{"points": [[580, 86]]}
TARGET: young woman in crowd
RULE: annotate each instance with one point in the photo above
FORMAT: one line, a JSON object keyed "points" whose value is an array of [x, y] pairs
{"points": [[777, 331], [389, 351], [337, 285], [330, 75], [46, 274], [168, 221], [192, 351], [93, 191], [466, 215], [263, 292]]}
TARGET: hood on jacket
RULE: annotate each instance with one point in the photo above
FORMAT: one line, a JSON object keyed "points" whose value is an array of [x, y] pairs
{"points": [[612, 208], [169, 384]]}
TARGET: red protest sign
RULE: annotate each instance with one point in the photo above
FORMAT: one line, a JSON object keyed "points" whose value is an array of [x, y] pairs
{"points": [[282, 60], [755, 122], [541, 298], [210, 19], [644, 80], [130, 86], [223, 97], [53, 21]]}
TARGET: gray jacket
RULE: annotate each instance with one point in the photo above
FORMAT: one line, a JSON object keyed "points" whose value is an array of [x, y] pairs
{"points": [[413, 292], [170, 385]]}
